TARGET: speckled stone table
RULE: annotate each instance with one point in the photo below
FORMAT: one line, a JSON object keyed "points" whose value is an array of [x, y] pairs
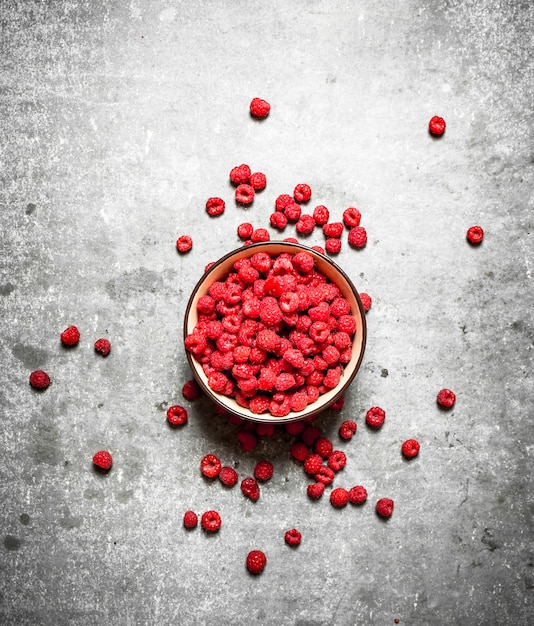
{"points": [[118, 120]]}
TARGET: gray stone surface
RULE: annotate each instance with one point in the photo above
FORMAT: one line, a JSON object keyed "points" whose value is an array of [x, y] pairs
{"points": [[118, 120]]}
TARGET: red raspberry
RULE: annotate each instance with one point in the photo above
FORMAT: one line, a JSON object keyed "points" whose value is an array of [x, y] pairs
{"points": [[305, 224], [302, 192], [260, 234], [278, 220], [103, 460], [215, 206], [39, 380], [333, 229], [321, 215], [294, 428], [265, 430], [351, 217], [339, 497], [247, 440], [240, 174], [263, 470], [245, 230], [210, 466], [347, 429], [325, 475], [299, 451], [366, 301], [357, 237], [339, 306], [318, 249], [310, 434], [228, 476], [259, 108], [410, 448], [259, 404], [384, 507], [184, 243], [338, 404], [436, 126], [258, 180], [250, 489], [446, 398], [375, 417], [293, 212], [315, 490], [332, 245], [191, 390], [102, 346], [244, 194], [299, 401], [337, 460], [256, 561], [323, 446], [357, 495], [70, 336], [176, 415], [293, 537], [346, 324], [332, 377], [475, 234], [283, 201], [190, 519], [313, 464], [211, 521]]}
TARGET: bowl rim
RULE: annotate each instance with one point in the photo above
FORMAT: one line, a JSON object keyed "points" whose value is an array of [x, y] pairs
{"points": [[229, 404]]}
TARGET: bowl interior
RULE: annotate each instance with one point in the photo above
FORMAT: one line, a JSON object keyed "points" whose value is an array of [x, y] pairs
{"points": [[221, 268]]}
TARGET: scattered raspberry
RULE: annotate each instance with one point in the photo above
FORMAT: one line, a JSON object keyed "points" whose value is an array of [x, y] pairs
{"points": [[184, 243], [103, 346], [339, 403], [240, 174], [39, 380], [323, 446], [348, 429], [245, 230], [244, 194], [436, 126], [191, 390], [263, 470], [305, 224], [410, 448], [293, 212], [475, 234], [190, 520], [339, 497], [293, 537], [258, 180], [375, 417], [210, 466], [250, 489], [215, 206], [446, 398], [228, 476], [211, 521], [102, 459], [351, 217], [260, 234], [357, 237], [259, 108], [325, 475], [310, 434], [176, 415], [302, 192], [332, 245], [294, 428], [247, 440], [315, 490], [333, 229], [70, 336], [299, 451], [313, 464], [337, 460], [366, 301], [357, 495], [321, 215], [384, 507], [278, 220], [256, 561], [283, 201]]}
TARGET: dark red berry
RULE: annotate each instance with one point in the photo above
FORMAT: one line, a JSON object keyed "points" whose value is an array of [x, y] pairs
{"points": [[70, 336], [348, 429], [299, 451], [259, 108], [332, 245], [366, 301], [240, 174], [293, 537], [263, 470], [228, 476], [190, 520], [302, 192], [323, 446], [103, 346], [215, 206], [325, 475], [436, 126], [446, 398], [184, 243], [210, 466], [256, 561], [191, 390], [315, 490], [250, 488], [351, 217], [375, 417], [211, 521], [39, 380], [339, 497], [357, 237], [247, 440], [357, 494], [384, 507], [321, 215], [475, 234], [313, 463], [258, 180], [337, 460], [244, 194], [103, 460], [245, 230], [410, 448], [176, 415]]}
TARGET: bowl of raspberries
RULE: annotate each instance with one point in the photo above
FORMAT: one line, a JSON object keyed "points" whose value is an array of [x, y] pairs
{"points": [[274, 332]]}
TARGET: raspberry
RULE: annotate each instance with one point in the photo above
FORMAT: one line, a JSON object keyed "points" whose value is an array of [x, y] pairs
{"points": [[103, 460], [265, 430], [263, 470], [293, 212], [244, 194], [259, 108], [240, 174], [302, 192], [410, 448], [366, 301], [70, 336], [190, 519], [215, 206], [102, 346], [333, 229], [339, 497], [338, 404], [299, 451], [305, 224], [191, 390], [313, 464], [323, 446], [315, 490], [260, 234], [39, 380], [256, 561], [321, 215], [293, 537], [446, 398], [332, 245], [357, 495], [475, 234], [184, 243], [318, 249], [347, 429], [325, 475], [228, 476], [211, 521], [337, 460], [299, 401], [259, 404], [250, 489], [176, 415], [294, 428], [375, 417], [346, 324], [258, 180], [247, 440], [384, 507], [278, 220], [310, 434], [210, 466], [339, 306], [245, 230], [283, 201], [357, 237], [436, 126], [351, 217]]}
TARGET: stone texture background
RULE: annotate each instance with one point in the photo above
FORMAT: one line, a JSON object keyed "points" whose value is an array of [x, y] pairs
{"points": [[118, 120]]}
